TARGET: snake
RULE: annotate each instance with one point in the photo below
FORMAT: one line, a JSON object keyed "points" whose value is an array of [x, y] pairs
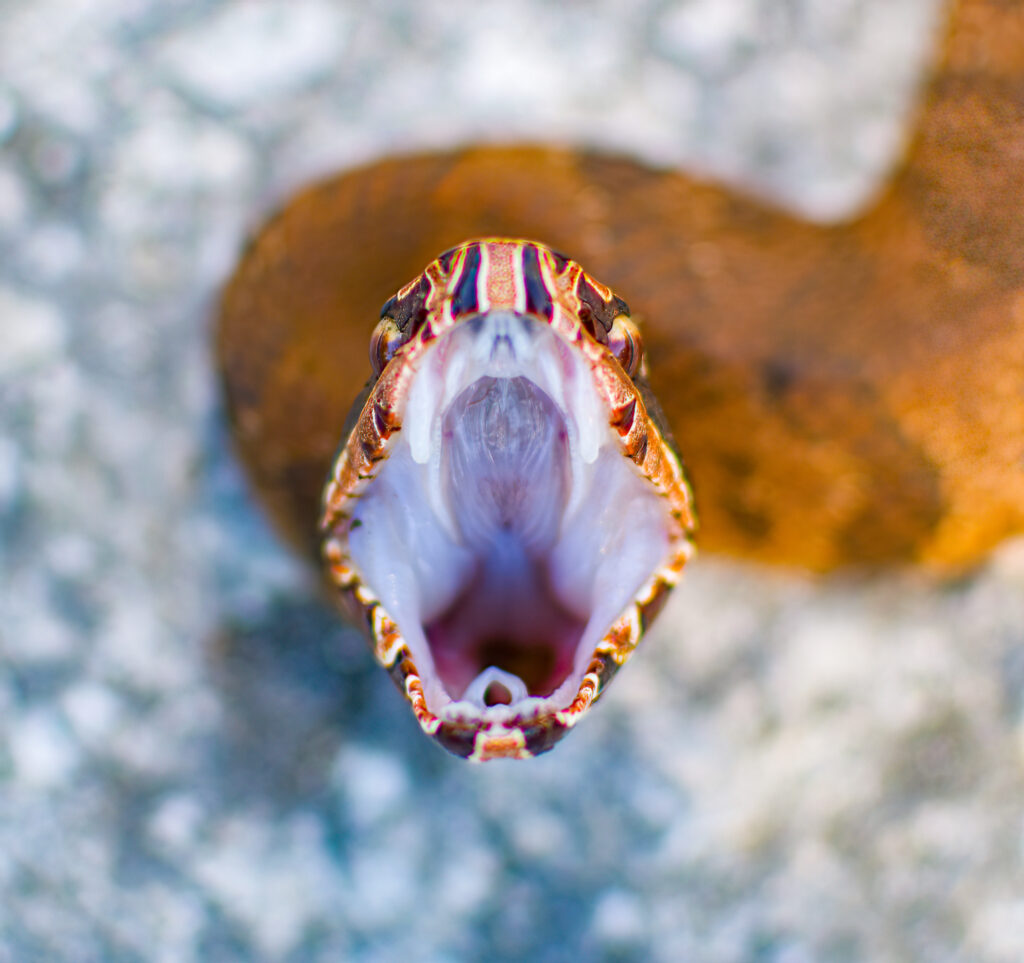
{"points": [[497, 495]]}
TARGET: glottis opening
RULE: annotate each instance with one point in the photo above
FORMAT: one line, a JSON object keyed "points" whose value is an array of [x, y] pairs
{"points": [[506, 531]]}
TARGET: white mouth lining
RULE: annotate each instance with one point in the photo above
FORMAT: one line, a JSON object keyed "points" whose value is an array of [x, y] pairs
{"points": [[408, 543]]}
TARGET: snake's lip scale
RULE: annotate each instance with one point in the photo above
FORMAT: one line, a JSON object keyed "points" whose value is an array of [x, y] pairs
{"points": [[528, 282]]}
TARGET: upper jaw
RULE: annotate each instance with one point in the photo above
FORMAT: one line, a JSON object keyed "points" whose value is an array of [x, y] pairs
{"points": [[401, 453]]}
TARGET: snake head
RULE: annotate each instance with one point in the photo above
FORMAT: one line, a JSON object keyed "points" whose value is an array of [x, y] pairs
{"points": [[506, 516]]}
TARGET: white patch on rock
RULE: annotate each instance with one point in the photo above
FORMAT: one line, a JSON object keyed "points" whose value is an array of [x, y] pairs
{"points": [[710, 34], [42, 753], [10, 473], [32, 332], [9, 114], [93, 710], [374, 783], [257, 50], [33, 634], [53, 251], [14, 203], [172, 151], [385, 881], [997, 931], [175, 825], [618, 918], [275, 880], [467, 880]]}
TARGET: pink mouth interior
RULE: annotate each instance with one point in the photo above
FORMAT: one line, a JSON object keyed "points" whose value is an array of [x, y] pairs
{"points": [[505, 451], [508, 617]]}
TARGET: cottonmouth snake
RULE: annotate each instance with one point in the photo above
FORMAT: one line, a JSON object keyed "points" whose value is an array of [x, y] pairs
{"points": [[842, 395]]}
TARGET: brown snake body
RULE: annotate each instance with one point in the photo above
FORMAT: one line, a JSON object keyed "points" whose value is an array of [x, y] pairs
{"points": [[842, 395]]}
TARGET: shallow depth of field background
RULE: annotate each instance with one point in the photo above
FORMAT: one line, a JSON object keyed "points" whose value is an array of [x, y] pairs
{"points": [[199, 763]]}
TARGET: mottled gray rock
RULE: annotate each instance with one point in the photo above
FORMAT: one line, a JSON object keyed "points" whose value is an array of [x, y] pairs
{"points": [[199, 763], [245, 54], [32, 332]]}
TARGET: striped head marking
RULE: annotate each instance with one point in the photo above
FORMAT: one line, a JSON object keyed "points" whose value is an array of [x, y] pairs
{"points": [[507, 516]]}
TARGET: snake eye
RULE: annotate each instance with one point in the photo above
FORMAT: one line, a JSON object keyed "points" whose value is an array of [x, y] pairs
{"points": [[384, 344], [625, 343]]}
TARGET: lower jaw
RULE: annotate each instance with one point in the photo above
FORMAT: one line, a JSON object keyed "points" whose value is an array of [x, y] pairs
{"points": [[502, 740], [504, 732]]}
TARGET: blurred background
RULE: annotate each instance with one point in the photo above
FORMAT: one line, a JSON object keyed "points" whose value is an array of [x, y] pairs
{"points": [[198, 762]]}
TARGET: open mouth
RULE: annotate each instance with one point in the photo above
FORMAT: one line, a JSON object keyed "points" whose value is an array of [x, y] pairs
{"points": [[505, 515], [506, 531]]}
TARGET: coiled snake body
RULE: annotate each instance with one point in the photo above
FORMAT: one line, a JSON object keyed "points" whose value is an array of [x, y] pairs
{"points": [[842, 395]]}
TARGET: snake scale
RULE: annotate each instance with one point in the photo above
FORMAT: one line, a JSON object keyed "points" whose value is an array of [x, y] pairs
{"points": [[843, 395]]}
